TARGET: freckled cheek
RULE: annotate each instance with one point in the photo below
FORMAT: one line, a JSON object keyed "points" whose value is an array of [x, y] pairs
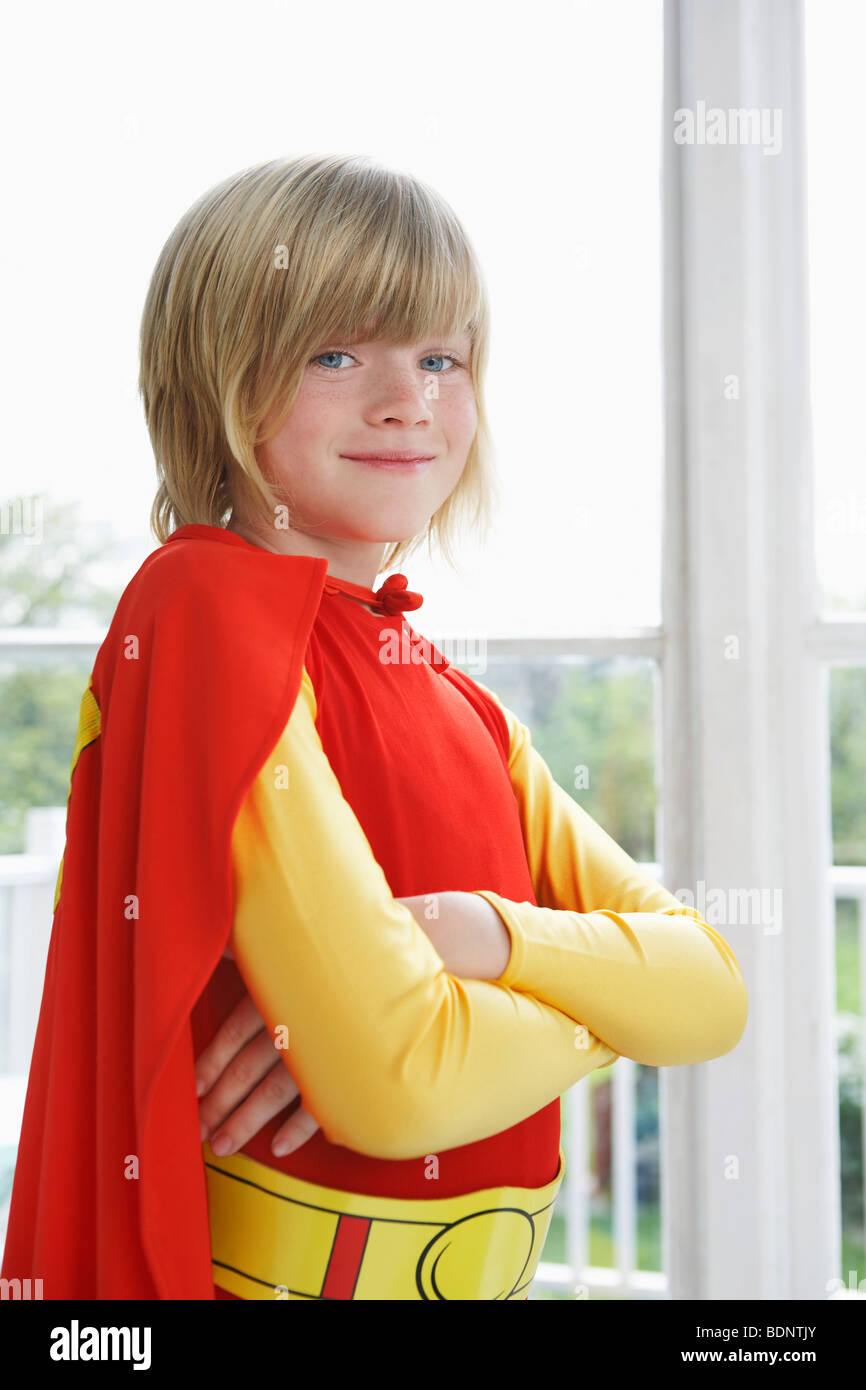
{"points": [[283, 457], [459, 419], [304, 435]]}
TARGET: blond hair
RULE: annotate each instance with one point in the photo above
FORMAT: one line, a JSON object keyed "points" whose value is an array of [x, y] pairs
{"points": [[227, 331]]}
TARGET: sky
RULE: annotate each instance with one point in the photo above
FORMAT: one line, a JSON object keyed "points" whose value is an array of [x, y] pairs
{"points": [[116, 125]]}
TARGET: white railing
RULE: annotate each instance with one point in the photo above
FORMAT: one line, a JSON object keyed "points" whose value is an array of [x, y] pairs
{"points": [[27, 883]]}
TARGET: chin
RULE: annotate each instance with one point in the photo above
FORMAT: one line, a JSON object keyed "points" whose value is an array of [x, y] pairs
{"points": [[387, 530]]}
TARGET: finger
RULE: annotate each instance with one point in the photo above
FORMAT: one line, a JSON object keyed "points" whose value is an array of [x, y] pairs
{"points": [[233, 1034], [296, 1131], [240, 1078], [270, 1098]]}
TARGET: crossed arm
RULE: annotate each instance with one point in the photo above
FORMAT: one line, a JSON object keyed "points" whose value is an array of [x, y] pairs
{"points": [[394, 1055], [607, 944]]}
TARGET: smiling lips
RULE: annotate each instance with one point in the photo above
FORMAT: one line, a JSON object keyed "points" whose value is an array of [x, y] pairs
{"points": [[391, 458]]}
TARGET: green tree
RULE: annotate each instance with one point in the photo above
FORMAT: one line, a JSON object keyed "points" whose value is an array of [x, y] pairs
{"points": [[61, 580]]}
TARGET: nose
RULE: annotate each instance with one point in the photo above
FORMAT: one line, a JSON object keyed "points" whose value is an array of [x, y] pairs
{"points": [[403, 398]]}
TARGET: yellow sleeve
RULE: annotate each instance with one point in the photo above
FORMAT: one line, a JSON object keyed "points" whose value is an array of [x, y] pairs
{"points": [[394, 1056], [608, 945]]}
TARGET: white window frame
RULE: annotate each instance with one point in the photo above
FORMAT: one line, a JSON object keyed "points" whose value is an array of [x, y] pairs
{"points": [[746, 766]]}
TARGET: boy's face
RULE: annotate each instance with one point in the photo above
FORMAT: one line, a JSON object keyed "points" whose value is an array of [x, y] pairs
{"points": [[374, 396]]}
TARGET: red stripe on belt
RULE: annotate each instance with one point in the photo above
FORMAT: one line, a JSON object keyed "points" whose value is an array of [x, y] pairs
{"points": [[347, 1252]]}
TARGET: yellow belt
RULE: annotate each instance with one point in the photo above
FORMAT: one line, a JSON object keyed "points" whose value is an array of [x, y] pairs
{"points": [[274, 1236]]}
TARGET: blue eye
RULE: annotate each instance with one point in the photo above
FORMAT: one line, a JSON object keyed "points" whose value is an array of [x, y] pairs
{"points": [[335, 352], [344, 352], [442, 356]]}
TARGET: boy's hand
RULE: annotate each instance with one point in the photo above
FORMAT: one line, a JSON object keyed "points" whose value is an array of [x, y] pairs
{"points": [[246, 1085], [245, 1082]]}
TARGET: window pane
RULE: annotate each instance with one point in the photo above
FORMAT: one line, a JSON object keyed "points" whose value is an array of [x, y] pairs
{"points": [[575, 398], [40, 703], [848, 780], [837, 284], [541, 129], [37, 737], [593, 723]]}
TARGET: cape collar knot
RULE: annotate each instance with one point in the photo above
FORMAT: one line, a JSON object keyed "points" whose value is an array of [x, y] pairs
{"points": [[394, 596]]}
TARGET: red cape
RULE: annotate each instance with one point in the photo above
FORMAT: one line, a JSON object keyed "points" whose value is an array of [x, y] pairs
{"points": [[195, 682]]}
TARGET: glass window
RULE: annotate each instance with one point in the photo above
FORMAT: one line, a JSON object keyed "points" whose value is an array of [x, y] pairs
{"points": [[593, 722], [848, 779], [837, 288]]}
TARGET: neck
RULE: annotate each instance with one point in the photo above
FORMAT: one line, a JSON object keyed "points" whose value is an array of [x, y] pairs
{"points": [[358, 562]]}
